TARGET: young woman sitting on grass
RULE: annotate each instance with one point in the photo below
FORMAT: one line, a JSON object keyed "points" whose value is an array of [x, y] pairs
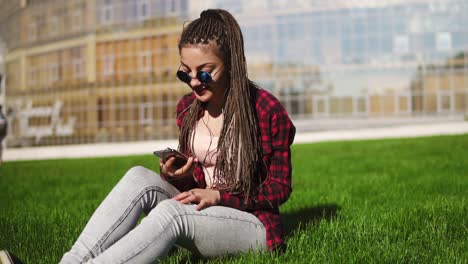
{"points": [[225, 199]]}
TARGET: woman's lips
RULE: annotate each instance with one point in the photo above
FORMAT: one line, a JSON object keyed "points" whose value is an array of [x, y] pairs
{"points": [[201, 91]]}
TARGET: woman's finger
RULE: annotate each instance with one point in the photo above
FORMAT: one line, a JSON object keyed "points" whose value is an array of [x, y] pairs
{"points": [[169, 162], [192, 198], [185, 168], [164, 170], [201, 205], [188, 197], [181, 196]]}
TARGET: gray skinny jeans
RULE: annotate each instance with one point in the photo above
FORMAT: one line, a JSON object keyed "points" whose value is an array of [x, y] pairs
{"points": [[113, 236]]}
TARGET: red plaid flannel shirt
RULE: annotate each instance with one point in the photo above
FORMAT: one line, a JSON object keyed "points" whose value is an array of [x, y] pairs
{"points": [[277, 134]]}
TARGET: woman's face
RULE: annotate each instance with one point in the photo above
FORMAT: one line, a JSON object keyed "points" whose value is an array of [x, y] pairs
{"points": [[205, 57]]}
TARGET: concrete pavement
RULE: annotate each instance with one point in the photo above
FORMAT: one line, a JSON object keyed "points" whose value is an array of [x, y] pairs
{"points": [[147, 147]]}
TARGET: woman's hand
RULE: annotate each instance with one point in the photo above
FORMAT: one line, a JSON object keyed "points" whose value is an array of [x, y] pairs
{"points": [[168, 170], [202, 197]]}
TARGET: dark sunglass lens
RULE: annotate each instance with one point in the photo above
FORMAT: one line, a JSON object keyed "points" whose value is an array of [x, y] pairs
{"points": [[183, 76], [204, 77]]}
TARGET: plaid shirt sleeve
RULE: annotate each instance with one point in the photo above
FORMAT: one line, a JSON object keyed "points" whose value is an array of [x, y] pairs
{"points": [[277, 133]]}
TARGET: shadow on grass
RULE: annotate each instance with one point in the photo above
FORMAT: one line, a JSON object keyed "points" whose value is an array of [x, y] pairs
{"points": [[297, 220]]}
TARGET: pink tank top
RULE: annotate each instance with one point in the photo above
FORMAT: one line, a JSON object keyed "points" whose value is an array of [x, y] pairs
{"points": [[205, 149]]}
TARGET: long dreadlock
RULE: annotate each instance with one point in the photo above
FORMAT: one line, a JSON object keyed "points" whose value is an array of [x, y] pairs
{"points": [[239, 148]]}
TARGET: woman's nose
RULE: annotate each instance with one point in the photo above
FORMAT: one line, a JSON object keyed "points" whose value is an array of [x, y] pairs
{"points": [[195, 82]]}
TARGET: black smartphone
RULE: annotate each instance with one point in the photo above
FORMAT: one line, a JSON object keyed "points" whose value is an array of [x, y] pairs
{"points": [[164, 155]]}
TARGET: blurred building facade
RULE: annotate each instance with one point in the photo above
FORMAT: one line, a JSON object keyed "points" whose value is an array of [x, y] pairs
{"points": [[2, 82], [85, 71], [359, 59]]}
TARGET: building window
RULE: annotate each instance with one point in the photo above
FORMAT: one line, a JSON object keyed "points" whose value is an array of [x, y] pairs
{"points": [[33, 75], [172, 7], [108, 65], [77, 62], [321, 105], [144, 61], [401, 44], [107, 13], [77, 65], [101, 109], [145, 115], [41, 26], [54, 72], [77, 19], [143, 10], [1, 83], [444, 41], [32, 31], [53, 26]]}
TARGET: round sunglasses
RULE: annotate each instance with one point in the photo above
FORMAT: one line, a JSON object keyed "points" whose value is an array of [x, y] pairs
{"points": [[203, 76]]}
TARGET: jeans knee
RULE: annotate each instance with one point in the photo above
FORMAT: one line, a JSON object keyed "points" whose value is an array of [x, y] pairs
{"points": [[169, 208], [137, 170], [140, 175]]}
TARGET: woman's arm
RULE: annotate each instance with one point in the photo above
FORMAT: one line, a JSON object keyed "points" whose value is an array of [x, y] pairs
{"points": [[198, 178], [195, 180]]}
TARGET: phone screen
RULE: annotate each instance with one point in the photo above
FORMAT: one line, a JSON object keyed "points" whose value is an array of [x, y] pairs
{"points": [[164, 155]]}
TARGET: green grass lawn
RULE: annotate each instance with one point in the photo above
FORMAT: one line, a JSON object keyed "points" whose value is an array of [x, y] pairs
{"points": [[378, 201]]}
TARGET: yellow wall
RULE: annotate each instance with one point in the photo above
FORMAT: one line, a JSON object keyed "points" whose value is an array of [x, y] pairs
{"points": [[127, 55]]}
